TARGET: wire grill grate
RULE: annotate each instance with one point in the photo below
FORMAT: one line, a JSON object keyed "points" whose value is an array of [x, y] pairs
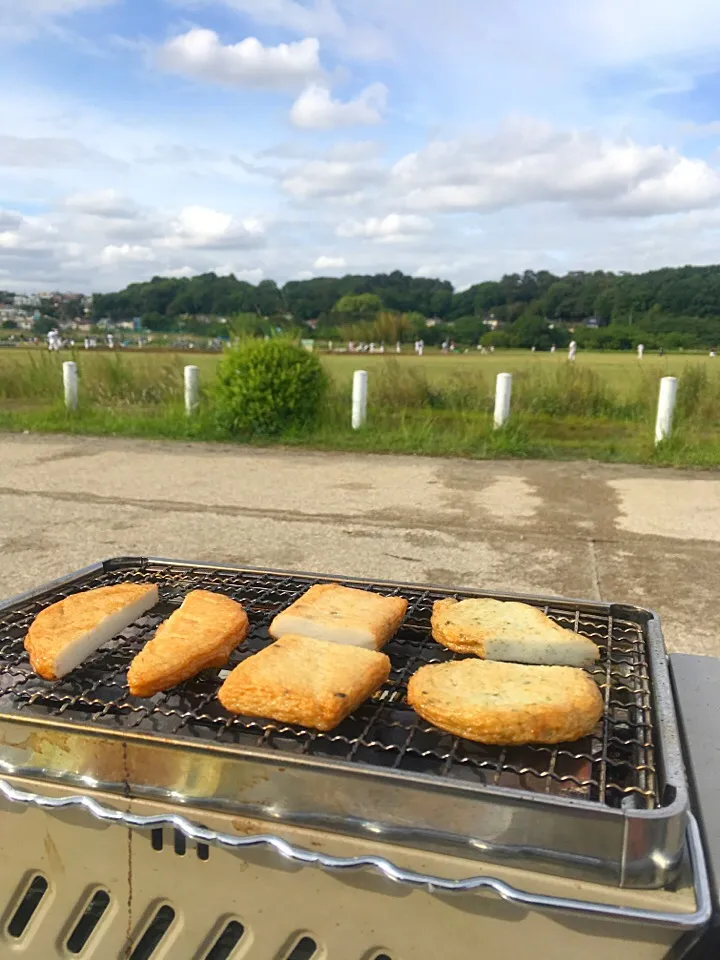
{"points": [[615, 766]]}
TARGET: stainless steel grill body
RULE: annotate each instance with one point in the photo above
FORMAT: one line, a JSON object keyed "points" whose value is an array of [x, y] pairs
{"points": [[611, 808], [166, 898]]}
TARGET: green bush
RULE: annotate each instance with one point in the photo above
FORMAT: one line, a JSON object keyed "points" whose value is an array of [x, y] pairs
{"points": [[269, 387]]}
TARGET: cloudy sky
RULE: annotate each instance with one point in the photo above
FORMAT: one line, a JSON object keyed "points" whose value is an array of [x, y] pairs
{"points": [[299, 138]]}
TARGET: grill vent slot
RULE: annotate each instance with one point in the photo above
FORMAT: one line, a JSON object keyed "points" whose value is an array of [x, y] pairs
{"points": [[36, 890], [92, 915], [154, 934], [180, 843], [157, 841], [223, 947], [304, 949]]}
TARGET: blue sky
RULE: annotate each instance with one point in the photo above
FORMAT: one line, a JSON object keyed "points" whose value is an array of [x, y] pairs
{"points": [[298, 138]]}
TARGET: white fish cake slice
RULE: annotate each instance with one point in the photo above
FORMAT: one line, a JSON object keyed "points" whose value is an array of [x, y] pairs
{"points": [[66, 633], [329, 611]]}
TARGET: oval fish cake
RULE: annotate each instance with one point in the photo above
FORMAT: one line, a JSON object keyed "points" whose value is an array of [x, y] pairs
{"points": [[506, 703]]}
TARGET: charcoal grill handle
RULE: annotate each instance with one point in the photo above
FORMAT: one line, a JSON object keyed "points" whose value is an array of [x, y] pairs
{"points": [[384, 867]]}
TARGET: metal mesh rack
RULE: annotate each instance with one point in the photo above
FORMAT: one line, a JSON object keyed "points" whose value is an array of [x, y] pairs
{"points": [[614, 767]]}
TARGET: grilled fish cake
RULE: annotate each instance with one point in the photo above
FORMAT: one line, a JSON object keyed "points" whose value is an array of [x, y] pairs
{"points": [[506, 703], [314, 683], [201, 633], [65, 634], [329, 611], [509, 631]]}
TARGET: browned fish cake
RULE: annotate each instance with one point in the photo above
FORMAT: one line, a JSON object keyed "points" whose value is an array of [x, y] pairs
{"points": [[329, 611], [300, 680], [201, 633], [510, 631], [64, 634], [506, 703]]}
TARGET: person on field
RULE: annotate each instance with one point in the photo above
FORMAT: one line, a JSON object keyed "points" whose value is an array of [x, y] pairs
{"points": [[572, 350], [641, 350]]}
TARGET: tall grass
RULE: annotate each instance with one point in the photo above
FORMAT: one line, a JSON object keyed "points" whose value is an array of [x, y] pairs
{"points": [[110, 380], [558, 410], [569, 391], [36, 376], [105, 379]]}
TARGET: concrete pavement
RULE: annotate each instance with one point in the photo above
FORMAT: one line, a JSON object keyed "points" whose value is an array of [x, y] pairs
{"points": [[642, 535]]}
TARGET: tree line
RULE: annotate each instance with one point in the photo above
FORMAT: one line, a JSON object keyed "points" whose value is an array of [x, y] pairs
{"points": [[673, 306]]}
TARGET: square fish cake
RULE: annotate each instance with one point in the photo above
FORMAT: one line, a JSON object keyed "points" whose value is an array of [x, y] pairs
{"points": [[329, 611], [313, 683]]}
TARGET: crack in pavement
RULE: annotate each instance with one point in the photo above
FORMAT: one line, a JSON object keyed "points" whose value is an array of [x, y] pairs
{"points": [[594, 570], [462, 526]]}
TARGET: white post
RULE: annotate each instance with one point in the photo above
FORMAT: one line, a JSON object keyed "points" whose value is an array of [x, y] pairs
{"points": [[503, 391], [70, 384], [359, 398], [666, 406], [192, 389]]}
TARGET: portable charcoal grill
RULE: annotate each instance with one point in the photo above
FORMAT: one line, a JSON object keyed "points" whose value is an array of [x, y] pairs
{"points": [[372, 840]]}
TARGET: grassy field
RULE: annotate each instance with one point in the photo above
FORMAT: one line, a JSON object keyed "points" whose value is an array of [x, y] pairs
{"points": [[603, 406]]}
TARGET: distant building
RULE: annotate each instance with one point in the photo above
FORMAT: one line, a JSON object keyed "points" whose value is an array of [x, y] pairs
{"points": [[20, 317], [26, 300], [591, 322]]}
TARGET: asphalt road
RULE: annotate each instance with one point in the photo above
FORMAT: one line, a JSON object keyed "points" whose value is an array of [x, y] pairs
{"points": [[642, 535]]}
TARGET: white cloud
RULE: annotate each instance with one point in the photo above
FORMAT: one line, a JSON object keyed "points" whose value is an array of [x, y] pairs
{"points": [[685, 185], [126, 253], [253, 275], [332, 179], [318, 16], [646, 28], [102, 203], [9, 220], [178, 273], [393, 228], [49, 8], [200, 54], [330, 263], [203, 227], [20, 21], [18, 151], [531, 163], [315, 108], [350, 31]]}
